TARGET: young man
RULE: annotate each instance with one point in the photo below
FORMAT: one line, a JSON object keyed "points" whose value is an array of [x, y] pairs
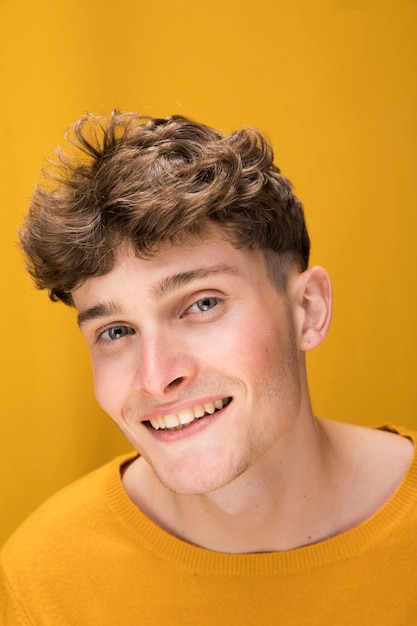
{"points": [[185, 253]]}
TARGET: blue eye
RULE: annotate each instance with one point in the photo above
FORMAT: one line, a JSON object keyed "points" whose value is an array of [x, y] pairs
{"points": [[205, 304], [116, 332]]}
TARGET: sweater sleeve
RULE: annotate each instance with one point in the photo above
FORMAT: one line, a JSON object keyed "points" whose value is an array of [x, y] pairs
{"points": [[11, 613]]}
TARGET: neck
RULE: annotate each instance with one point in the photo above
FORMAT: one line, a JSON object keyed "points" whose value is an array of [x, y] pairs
{"points": [[279, 504]]}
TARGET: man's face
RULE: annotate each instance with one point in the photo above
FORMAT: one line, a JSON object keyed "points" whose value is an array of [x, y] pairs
{"points": [[195, 359]]}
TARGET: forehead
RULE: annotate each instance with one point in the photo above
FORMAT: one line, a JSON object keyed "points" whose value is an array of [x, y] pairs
{"points": [[172, 267]]}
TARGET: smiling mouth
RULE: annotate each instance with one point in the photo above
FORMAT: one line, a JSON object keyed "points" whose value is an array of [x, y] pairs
{"points": [[176, 421]]}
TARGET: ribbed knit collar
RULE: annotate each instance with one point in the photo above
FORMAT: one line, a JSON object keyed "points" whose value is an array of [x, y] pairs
{"points": [[347, 545]]}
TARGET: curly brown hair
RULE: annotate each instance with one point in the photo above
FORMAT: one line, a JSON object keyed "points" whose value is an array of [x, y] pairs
{"points": [[148, 181]]}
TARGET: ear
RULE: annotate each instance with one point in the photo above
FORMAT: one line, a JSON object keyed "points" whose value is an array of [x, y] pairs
{"points": [[312, 293]]}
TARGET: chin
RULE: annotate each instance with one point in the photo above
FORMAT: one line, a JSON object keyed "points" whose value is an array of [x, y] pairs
{"points": [[205, 479], [190, 485]]}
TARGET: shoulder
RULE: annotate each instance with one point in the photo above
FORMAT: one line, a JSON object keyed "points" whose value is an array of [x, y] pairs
{"points": [[375, 466], [380, 451], [74, 510], [395, 443], [49, 562], [387, 453]]}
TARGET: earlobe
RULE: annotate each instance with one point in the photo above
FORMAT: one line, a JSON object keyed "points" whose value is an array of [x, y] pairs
{"points": [[313, 307]]}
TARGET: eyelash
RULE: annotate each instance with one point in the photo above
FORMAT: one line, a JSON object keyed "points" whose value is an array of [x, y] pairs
{"points": [[212, 301], [101, 336], [209, 299]]}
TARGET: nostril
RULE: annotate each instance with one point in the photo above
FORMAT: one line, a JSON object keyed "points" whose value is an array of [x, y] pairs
{"points": [[175, 382]]}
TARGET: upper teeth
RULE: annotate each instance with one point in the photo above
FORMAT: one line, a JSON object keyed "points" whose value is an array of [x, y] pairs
{"points": [[186, 416]]}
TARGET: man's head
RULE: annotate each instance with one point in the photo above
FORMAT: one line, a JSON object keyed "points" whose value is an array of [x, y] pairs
{"points": [[185, 254], [145, 182]]}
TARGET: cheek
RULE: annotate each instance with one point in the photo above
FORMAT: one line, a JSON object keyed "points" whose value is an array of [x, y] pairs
{"points": [[262, 345], [252, 354], [271, 360], [109, 381]]}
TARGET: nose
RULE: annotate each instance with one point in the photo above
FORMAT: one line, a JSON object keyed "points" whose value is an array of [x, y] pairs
{"points": [[164, 364]]}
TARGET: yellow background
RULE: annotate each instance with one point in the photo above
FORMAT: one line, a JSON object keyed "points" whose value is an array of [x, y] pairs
{"points": [[332, 84]]}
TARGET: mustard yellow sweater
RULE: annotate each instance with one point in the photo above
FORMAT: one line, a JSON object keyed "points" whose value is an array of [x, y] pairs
{"points": [[89, 556]]}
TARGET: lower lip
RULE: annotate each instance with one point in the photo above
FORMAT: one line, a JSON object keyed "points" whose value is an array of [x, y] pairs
{"points": [[198, 425]]}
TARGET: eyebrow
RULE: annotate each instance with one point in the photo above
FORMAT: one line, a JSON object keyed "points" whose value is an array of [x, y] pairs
{"points": [[158, 291], [176, 281], [103, 309]]}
